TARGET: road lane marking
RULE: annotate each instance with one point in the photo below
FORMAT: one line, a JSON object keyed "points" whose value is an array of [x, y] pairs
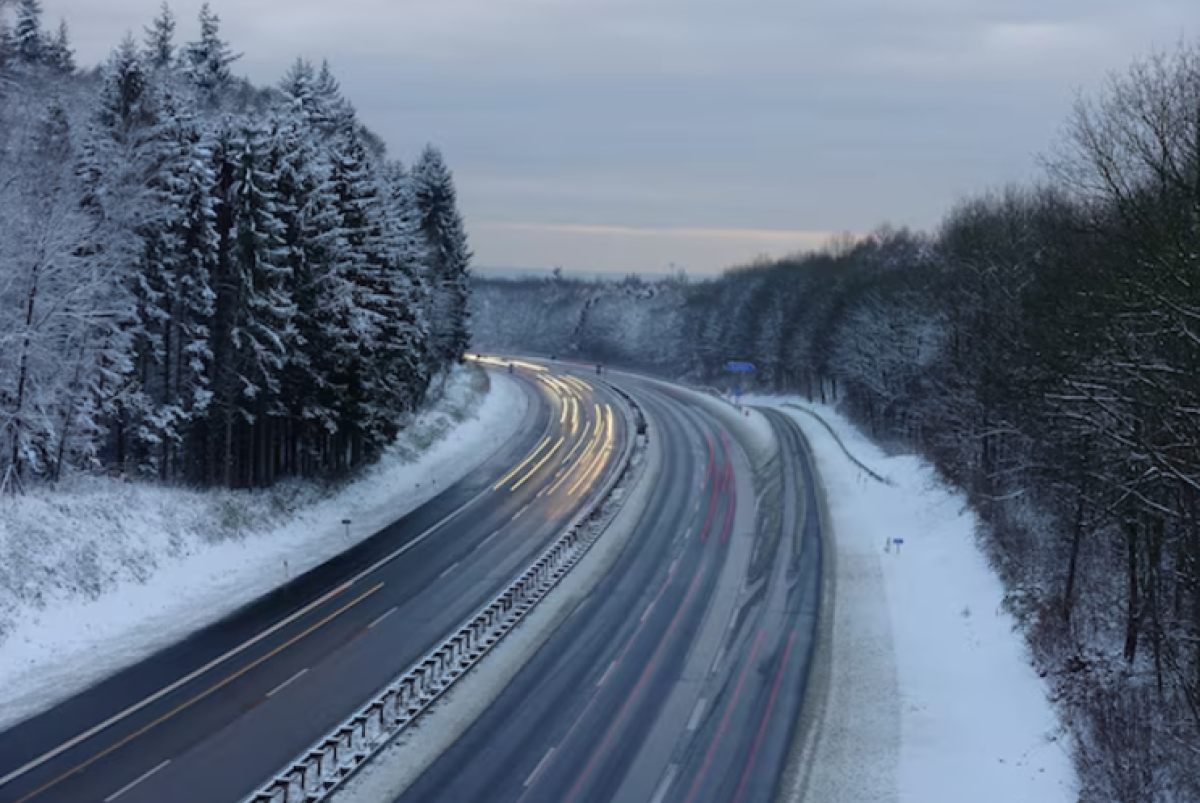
{"points": [[607, 672], [649, 669], [189, 703], [517, 515], [596, 695], [536, 770], [487, 540], [697, 713], [133, 709], [762, 727], [289, 681], [729, 708], [384, 616], [275, 628], [717, 661], [664, 786], [449, 569], [129, 786], [646, 614]]}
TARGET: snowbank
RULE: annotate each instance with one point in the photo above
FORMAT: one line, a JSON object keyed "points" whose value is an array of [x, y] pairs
{"points": [[931, 694], [99, 574]]}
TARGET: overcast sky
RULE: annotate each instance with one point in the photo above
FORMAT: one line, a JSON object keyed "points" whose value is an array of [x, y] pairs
{"points": [[625, 135]]}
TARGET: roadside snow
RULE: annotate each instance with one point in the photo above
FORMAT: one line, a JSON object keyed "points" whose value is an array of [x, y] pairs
{"points": [[100, 574], [931, 694]]}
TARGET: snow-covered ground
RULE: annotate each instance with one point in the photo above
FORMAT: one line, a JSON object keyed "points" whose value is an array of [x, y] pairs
{"points": [[99, 574], [931, 694]]}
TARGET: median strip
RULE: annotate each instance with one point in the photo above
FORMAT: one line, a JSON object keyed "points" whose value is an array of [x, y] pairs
{"points": [[330, 762]]}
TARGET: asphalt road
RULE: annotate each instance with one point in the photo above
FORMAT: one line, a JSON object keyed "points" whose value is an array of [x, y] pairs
{"points": [[675, 680], [210, 718]]}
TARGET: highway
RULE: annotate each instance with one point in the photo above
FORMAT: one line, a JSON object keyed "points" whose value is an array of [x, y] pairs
{"points": [[680, 677], [207, 720]]}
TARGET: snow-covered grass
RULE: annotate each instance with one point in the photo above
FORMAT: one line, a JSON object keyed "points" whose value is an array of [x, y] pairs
{"points": [[932, 695], [97, 574]]}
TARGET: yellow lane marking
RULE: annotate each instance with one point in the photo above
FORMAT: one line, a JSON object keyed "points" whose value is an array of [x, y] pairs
{"points": [[163, 692], [188, 704]]}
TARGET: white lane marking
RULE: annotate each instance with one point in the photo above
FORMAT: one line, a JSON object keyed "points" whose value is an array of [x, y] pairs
{"points": [[646, 614], [382, 617], [129, 786], [717, 661], [533, 775], [288, 682], [275, 628], [449, 569], [522, 510], [488, 540], [697, 713], [607, 672], [664, 786]]}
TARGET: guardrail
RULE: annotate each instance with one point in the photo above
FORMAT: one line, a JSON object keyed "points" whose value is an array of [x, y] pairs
{"points": [[323, 768], [875, 475]]}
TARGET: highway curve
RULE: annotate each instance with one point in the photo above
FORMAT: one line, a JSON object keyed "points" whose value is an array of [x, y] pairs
{"points": [[209, 719], [675, 679]]}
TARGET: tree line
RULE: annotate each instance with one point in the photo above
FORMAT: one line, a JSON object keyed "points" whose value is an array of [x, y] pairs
{"points": [[1042, 348], [205, 281]]}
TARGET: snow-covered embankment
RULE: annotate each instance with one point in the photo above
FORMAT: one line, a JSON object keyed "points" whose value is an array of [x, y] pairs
{"points": [[931, 696], [97, 574]]}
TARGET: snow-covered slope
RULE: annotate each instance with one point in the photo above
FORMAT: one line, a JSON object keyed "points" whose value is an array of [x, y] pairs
{"points": [[98, 574], [931, 694]]}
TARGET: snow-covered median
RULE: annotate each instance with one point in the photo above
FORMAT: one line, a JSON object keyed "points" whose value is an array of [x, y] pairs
{"points": [[931, 694], [98, 574]]}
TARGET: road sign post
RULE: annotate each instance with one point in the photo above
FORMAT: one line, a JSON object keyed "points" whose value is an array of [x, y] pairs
{"points": [[739, 368]]}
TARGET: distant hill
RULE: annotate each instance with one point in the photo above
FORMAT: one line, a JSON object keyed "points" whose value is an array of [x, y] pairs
{"points": [[490, 272]]}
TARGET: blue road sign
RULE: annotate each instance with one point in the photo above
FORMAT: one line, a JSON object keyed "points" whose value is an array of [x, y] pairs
{"points": [[737, 391], [740, 367]]}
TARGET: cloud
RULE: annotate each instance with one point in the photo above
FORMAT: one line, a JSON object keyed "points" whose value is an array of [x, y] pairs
{"points": [[687, 116]]}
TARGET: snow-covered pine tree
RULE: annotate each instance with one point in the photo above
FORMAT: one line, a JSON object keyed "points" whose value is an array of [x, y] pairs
{"points": [[263, 326], [59, 55], [414, 293], [126, 103], [450, 256], [8, 46], [316, 256], [160, 39], [174, 293], [299, 88], [28, 34], [387, 375], [335, 114], [207, 60]]}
